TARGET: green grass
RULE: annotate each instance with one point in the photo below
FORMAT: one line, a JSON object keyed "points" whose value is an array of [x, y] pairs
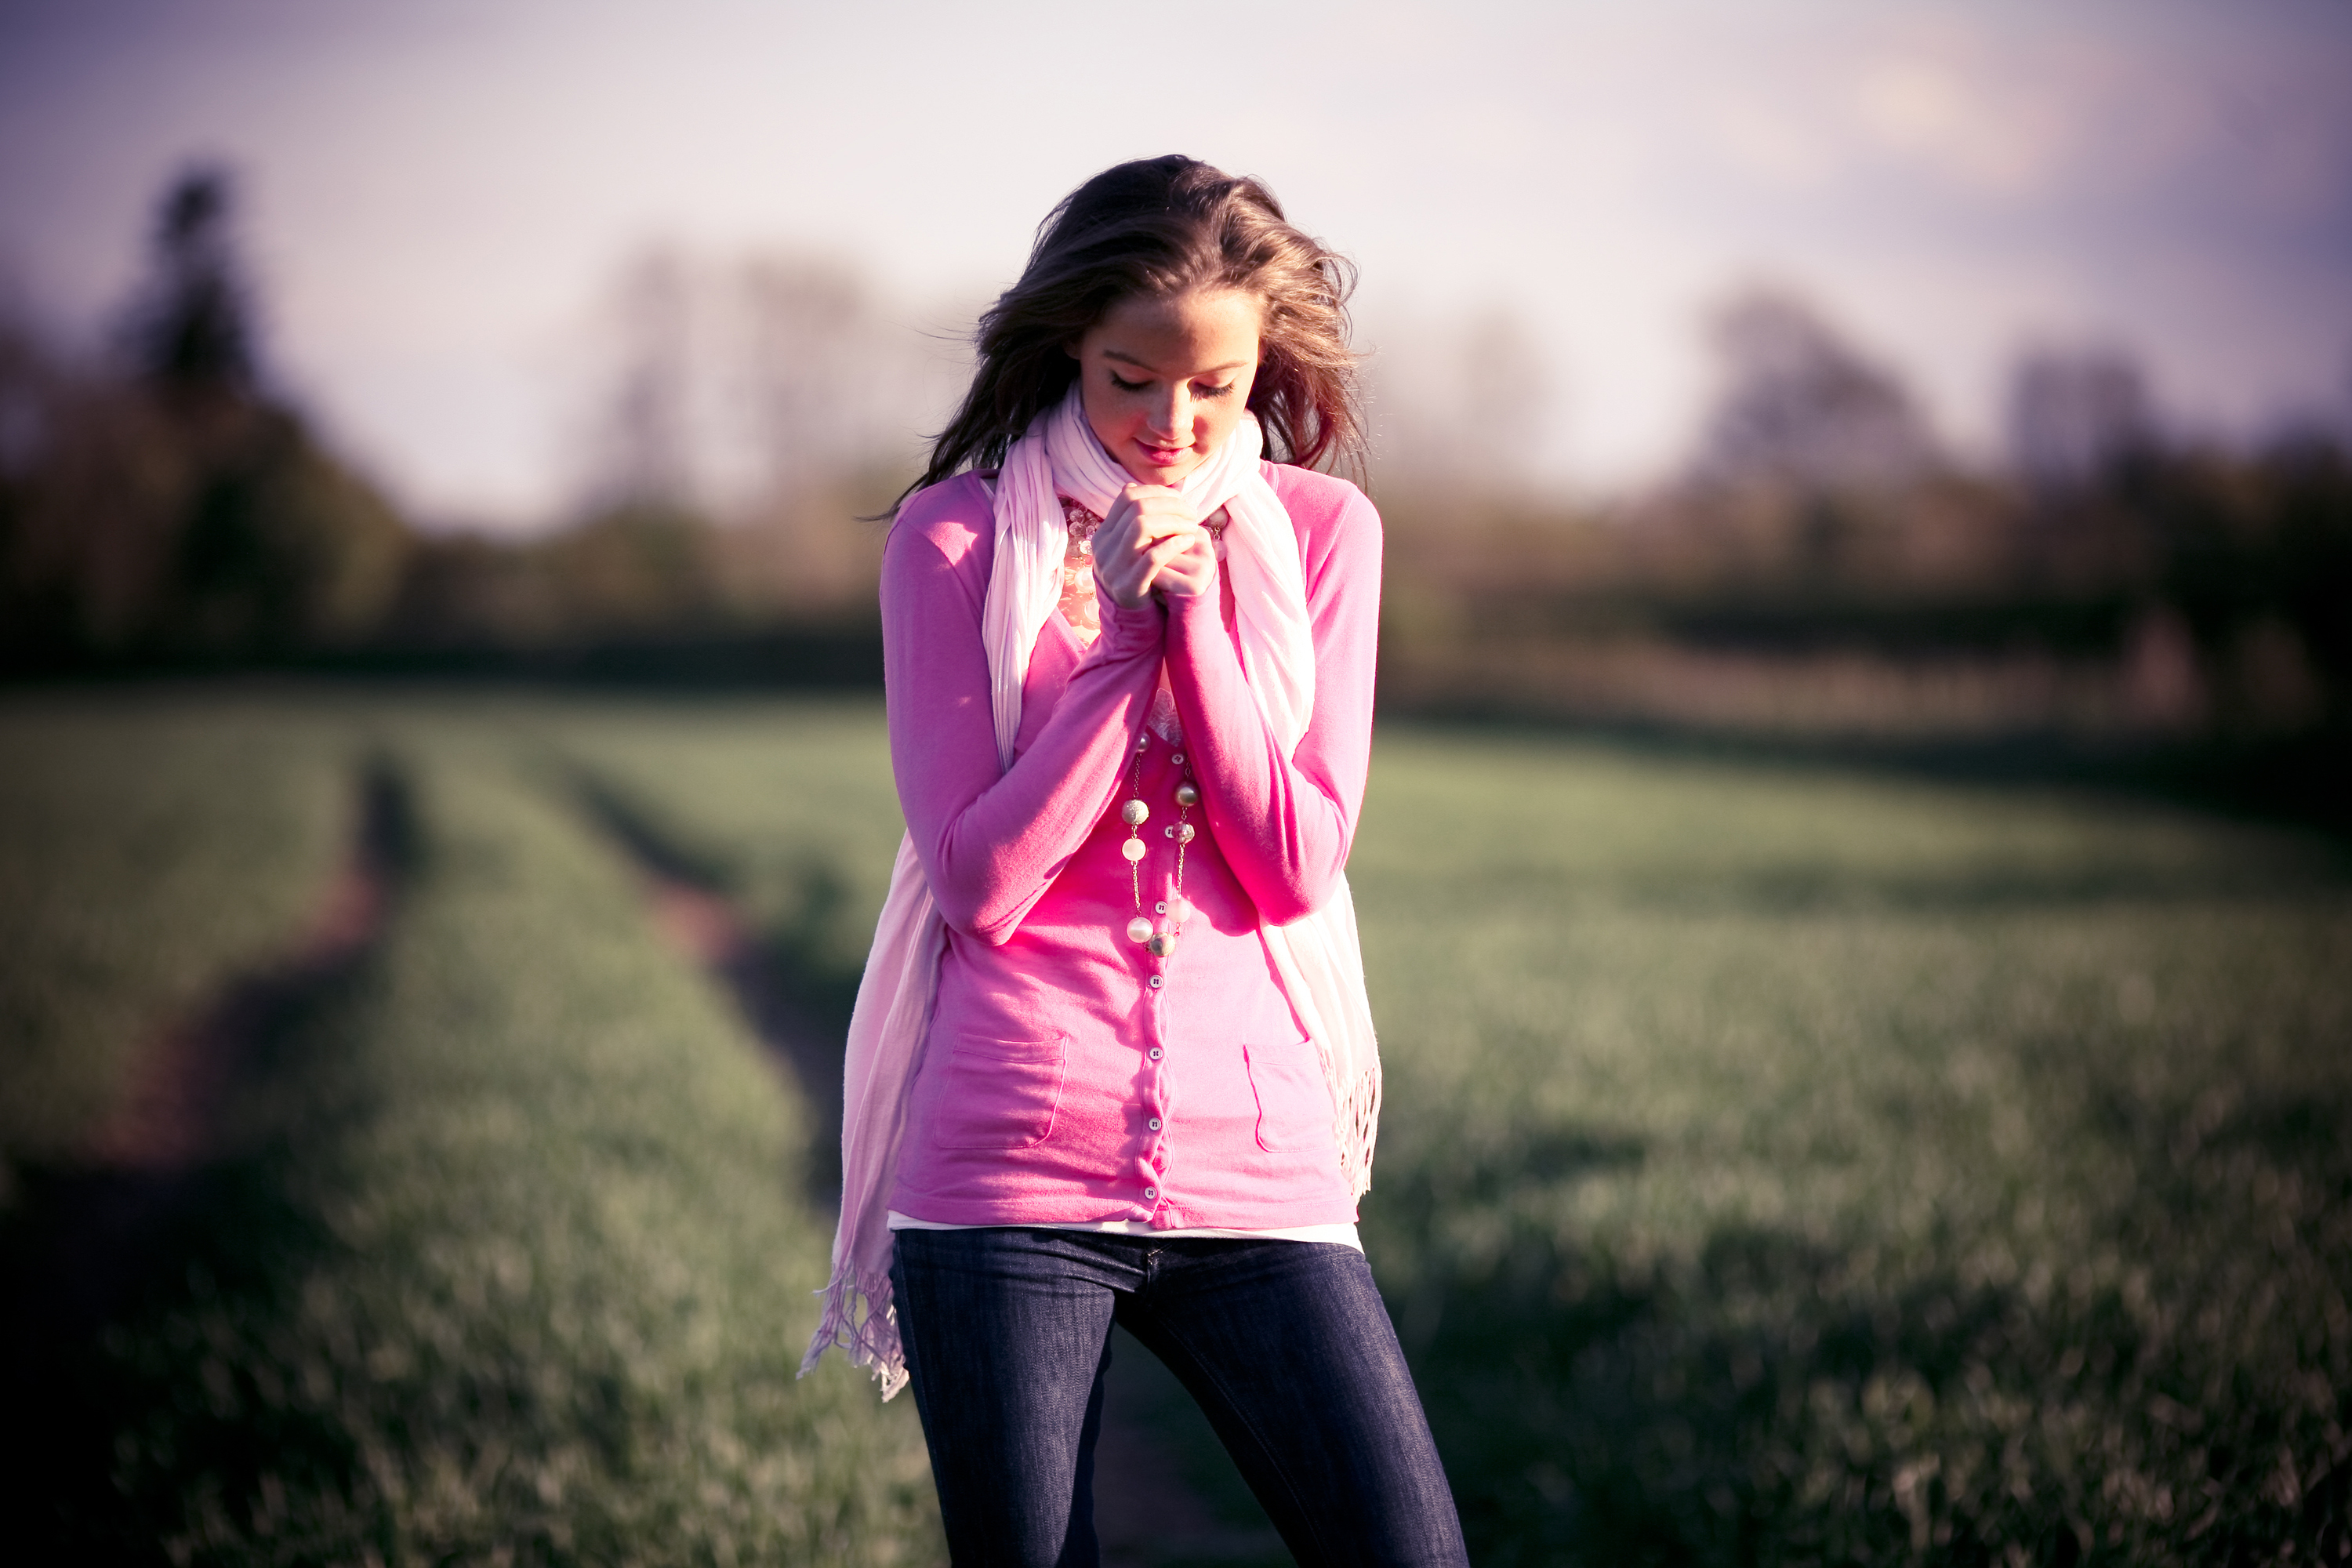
{"points": [[149, 847], [1780, 1165], [788, 808], [506, 1263], [1790, 1165]]}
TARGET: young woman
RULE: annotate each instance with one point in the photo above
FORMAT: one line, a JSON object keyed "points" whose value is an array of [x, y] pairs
{"points": [[1112, 1060]]}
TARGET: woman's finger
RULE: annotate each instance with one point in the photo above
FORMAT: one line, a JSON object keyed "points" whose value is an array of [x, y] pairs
{"points": [[1187, 572], [1126, 569], [1147, 528], [1190, 572]]}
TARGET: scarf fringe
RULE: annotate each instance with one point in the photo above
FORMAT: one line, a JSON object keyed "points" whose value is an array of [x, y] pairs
{"points": [[869, 1337], [1358, 1128]]}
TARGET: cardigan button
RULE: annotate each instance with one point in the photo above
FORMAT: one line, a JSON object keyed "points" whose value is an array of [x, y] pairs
{"points": [[1153, 1125], [1155, 983], [1155, 1052], [1151, 1192]]}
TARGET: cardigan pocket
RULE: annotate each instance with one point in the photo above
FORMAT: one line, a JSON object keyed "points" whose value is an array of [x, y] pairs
{"points": [[999, 1095], [1294, 1103]]}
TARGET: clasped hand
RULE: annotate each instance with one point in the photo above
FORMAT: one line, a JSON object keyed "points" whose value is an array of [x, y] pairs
{"points": [[1153, 543]]}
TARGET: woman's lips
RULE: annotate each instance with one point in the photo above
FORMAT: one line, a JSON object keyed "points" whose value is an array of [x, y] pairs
{"points": [[1162, 457]]}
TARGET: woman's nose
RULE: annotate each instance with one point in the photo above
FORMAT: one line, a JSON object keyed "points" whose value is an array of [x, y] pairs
{"points": [[1172, 416]]}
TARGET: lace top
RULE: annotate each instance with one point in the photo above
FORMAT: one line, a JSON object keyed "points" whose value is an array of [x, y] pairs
{"points": [[1079, 607], [1077, 602]]}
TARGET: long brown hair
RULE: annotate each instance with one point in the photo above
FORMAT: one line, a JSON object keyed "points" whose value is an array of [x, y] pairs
{"points": [[1155, 228]]}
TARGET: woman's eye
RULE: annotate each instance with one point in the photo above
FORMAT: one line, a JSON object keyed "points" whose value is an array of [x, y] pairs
{"points": [[1124, 385], [1214, 391]]}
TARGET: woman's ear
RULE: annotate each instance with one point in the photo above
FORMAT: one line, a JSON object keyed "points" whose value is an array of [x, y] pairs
{"points": [[1070, 347]]}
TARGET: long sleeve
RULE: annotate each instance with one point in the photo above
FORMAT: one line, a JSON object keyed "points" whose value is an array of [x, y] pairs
{"points": [[1074, 1072], [1284, 823], [991, 841]]}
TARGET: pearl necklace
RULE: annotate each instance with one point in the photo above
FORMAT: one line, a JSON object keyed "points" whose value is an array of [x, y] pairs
{"points": [[1161, 941], [1077, 607]]}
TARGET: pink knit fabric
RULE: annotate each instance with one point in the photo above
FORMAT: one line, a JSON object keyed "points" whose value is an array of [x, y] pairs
{"points": [[1038, 1085]]}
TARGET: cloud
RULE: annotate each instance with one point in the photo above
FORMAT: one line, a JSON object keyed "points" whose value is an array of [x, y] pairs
{"points": [[1926, 112]]}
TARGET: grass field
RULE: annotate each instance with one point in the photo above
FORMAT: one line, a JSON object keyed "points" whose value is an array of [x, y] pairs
{"points": [[1781, 1164], [500, 1260], [146, 845], [1806, 1166]]}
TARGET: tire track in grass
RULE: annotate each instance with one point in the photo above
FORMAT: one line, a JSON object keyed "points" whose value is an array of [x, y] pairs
{"points": [[165, 1121], [486, 1264], [92, 1233], [1146, 1512], [700, 923]]}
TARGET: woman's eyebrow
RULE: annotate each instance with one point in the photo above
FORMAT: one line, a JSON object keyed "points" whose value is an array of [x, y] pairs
{"points": [[1125, 358]]}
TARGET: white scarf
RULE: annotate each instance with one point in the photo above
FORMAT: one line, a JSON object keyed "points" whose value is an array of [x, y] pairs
{"points": [[1318, 956]]}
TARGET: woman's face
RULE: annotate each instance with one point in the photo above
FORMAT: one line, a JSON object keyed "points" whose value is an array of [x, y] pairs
{"points": [[1165, 380]]}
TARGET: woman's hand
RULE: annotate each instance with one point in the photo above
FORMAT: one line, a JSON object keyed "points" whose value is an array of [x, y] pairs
{"points": [[1153, 543]]}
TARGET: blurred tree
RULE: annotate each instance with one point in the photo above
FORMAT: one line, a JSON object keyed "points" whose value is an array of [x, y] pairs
{"points": [[758, 404], [2074, 416], [727, 384], [1462, 408], [643, 453], [178, 511], [192, 331], [635, 569], [823, 389], [1800, 405], [26, 370]]}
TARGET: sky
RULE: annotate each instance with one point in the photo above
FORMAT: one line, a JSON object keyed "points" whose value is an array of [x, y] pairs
{"points": [[437, 192]]}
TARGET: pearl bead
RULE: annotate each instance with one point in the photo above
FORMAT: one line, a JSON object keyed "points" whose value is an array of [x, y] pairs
{"points": [[1138, 930], [1134, 813], [1132, 848], [1183, 833], [1188, 794], [1161, 944]]}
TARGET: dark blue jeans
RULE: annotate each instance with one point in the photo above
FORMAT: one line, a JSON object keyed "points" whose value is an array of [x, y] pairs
{"points": [[1285, 1344]]}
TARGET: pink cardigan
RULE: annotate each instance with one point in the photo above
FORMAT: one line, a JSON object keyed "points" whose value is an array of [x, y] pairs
{"points": [[1067, 1075]]}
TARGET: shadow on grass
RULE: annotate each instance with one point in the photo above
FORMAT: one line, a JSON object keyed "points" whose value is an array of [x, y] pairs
{"points": [[1799, 891], [795, 999], [164, 1217], [2301, 780], [1776, 1398]]}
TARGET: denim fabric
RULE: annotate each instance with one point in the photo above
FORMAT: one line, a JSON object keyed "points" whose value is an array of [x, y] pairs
{"points": [[1284, 1344]]}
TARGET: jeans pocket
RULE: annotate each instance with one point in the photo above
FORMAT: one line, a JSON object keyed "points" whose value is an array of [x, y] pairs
{"points": [[1294, 1103], [1001, 1094]]}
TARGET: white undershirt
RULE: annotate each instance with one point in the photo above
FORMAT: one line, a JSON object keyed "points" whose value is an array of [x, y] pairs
{"points": [[1342, 1234]]}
